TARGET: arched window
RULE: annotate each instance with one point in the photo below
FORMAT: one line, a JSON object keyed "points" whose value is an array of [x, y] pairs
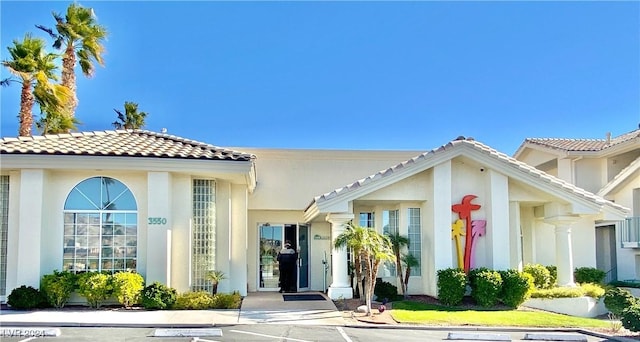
{"points": [[100, 227]]}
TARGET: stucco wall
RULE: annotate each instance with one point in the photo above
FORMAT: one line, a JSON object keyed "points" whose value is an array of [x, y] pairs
{"points": [[290, 179], [589, 174], [628, 266]]}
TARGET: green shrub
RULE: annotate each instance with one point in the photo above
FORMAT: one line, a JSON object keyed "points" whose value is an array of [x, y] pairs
{"points": [[127, 287], [473, 275], [592, 290], [553, 271], [158, 296], [57, 287], [631, 318], [385, 290], [26, 298], [96, 287], [588, 275], [558, 292], [541, 275], [486, 288], [452, 284], [617, 299], [516, 287], [197, 300], [227, 301]]}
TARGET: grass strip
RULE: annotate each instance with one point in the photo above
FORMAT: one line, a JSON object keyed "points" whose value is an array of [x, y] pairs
{"points": [[431, 314]]}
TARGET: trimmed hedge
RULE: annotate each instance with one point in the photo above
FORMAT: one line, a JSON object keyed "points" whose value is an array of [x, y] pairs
{"points": [[452, 284], [617, 299], [26, 298], [516, 287], [588, 275], [158, 296], [541, 275], [486, 287], [58, 286]]}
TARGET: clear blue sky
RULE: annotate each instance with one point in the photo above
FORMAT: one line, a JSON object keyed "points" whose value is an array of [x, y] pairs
{"points": [[357, 75]]}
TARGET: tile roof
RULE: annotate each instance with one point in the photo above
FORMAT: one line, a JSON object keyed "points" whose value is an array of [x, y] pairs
{"points": [[461, 142], [582, 145], [120, 143]]}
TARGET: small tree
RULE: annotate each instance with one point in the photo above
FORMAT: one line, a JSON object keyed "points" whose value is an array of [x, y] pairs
{"points": [[215, 277], [371, 250], [399, 242], [409, 261]]}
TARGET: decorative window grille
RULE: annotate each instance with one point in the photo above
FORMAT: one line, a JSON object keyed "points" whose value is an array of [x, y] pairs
{"points": [[415, 241], [203, 239], [4, 228], [100, 227], [390, 223]]}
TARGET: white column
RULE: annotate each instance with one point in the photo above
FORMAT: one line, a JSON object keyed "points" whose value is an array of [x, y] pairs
{"points": [[340, 287], [158, 225], [497, 210], [515, 236], [30, 218], [564, 254], [239, 235], [437, 244], [564, 250]]}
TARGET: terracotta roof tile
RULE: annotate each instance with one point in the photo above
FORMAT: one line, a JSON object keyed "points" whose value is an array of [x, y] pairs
{"points": [[126, 143], [470, 142], [583, 145]]}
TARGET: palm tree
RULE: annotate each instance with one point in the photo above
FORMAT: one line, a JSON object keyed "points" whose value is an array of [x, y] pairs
{"points": [[215, 277], [370, 249], [54, 122], [131, 118], [398, 242], [82, 38], [34, 68], [409, 261]]}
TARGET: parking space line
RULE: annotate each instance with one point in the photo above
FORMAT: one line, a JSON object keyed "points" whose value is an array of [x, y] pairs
{"points": [[263, 335], [344, 334]]}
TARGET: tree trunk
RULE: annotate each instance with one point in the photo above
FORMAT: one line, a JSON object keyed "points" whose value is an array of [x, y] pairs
{"points": [[399, 272], [405, 283], [69, 79], [26, 110]]}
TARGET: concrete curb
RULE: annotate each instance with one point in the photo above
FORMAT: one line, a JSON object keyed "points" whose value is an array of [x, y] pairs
{"points": [[493, 329], [105, 325]]}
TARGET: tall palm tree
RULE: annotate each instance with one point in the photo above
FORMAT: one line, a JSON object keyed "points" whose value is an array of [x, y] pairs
{"points": [[371, 250], [34, 68], [82, 38], [131, 118], [398, 242]]}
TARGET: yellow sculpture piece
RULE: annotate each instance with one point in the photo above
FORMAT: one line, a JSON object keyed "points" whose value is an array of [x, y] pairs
{"points": [[457, 231]]}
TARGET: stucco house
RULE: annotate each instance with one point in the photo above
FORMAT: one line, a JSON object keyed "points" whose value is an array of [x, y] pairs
{"points": [[608, 167], [172, 208]]}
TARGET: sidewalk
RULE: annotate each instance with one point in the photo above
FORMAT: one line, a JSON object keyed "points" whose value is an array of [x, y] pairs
{"points": [[257, 307]]}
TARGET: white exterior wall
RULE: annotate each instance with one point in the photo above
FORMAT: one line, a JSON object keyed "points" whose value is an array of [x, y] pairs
{"points": [[589, 174], [628, 263]]}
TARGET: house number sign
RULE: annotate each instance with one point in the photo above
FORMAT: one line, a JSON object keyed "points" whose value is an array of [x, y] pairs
{"points": [[157, 220]]}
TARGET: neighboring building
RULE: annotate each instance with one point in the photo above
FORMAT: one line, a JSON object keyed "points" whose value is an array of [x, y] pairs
{"points": [[608, 167], [172, 208]]}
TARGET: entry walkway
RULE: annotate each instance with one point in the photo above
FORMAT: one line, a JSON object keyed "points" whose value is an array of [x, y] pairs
{"points": [[257, 307], [270, 307]]}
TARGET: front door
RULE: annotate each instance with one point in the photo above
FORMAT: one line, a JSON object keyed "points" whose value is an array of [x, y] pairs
{"points": [[272, 238]]}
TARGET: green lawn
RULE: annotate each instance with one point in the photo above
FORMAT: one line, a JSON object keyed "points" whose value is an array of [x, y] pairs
{"points": [[430, 314]]}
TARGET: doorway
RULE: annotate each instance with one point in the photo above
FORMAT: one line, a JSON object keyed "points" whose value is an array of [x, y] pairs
{"points": [[271, 240]]}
